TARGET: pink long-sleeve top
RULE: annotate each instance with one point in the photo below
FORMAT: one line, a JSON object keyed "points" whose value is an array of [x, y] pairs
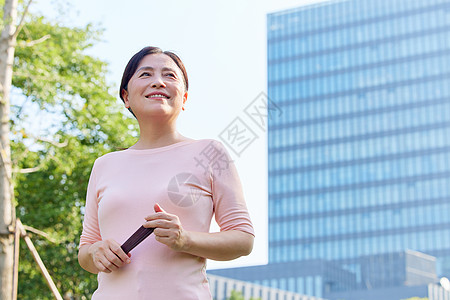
{"points": [[194, 180]]}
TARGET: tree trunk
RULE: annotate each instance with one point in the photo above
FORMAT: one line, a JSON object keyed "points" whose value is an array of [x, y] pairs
{"points": [[7, 215]]}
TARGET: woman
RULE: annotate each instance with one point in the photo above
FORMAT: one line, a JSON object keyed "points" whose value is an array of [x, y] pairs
{"points": [[165, 181]]}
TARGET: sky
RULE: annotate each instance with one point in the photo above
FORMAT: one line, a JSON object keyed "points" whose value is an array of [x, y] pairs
{"points": [[223, 46]]}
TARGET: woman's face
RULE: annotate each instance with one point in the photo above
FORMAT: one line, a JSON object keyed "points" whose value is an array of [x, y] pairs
{"points": [[156, 89]]}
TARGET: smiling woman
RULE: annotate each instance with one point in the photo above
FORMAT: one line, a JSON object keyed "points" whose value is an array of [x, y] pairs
{"points": [[135, 66], [155, 90], [165, 181]]}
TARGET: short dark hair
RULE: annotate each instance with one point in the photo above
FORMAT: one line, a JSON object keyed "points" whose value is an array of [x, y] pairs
{"points": [[134, 62]]}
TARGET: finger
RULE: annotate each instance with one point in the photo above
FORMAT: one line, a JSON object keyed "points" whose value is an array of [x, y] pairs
{"points": [[119, 253], [110, 267], [158, 208], [113, 261], [103, 266], [159, 215], [160, 223], [103, 269], [100, 267]]}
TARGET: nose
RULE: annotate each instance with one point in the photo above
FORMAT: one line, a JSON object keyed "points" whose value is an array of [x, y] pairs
{"points": [[158, 82]]}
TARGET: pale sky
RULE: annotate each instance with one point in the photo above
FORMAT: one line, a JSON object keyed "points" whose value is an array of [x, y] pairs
{"points": [[223, 45]]}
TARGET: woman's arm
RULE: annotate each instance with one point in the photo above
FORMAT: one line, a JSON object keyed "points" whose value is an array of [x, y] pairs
{"points": [[225, 245], [103, 256]]}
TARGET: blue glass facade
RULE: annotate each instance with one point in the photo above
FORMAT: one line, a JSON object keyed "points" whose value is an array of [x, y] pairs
{"points": [[359, 161]]}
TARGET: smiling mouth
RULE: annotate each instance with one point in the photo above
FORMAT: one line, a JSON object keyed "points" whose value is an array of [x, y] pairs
{"points": [[157, 96]]}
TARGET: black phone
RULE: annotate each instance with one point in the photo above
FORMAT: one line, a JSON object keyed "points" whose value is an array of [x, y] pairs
{"points": [[136, 238]]}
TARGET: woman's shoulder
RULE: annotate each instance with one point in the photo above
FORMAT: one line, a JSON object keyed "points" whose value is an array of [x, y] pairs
{"points": [[208, 141], [208, 144], [211, 150], [108, 157]]}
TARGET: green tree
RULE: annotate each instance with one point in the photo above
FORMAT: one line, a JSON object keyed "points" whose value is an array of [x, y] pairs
{"points": [[238, 296], [54, 76]]}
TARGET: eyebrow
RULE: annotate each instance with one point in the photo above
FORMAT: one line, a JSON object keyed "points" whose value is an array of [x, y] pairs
{"points": [[152, 69]]}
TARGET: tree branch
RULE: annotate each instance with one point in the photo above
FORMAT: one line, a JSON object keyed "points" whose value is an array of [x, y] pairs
{"points": [[42, 163], [34, 169], [22, 21], [47, 140], [35, 42], [56, 144], [30, 170], [41, 233]]}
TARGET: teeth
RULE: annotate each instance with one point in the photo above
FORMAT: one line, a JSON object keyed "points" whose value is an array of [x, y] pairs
{"points": [[157, 96]]}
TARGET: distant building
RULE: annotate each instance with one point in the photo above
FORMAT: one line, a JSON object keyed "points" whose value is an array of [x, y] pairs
{"points": [[436, 292], [409, 268], [430, 291], [359, 160], [388, 274], [312, 277], [222, 287]]}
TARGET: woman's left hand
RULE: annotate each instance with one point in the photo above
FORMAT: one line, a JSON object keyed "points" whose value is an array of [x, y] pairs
{"points": [[168, 229], [224, 245]]}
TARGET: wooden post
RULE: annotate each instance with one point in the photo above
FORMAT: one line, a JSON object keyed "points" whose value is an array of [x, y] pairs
{"points": [[16, 260], [38, 260]]}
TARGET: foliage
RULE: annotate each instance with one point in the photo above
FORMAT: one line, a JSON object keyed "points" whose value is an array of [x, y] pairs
{"points": [[56, 77], [238, 296]]}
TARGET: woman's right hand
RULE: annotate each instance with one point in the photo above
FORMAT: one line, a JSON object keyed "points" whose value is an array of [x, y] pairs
{"points": [[108, 256]]}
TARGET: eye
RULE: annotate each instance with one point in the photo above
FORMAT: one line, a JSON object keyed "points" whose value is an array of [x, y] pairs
{"points": [[171, 75], [144, 74]]}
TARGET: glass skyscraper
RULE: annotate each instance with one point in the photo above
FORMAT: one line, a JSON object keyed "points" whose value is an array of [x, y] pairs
{"points": [[359, 161]]}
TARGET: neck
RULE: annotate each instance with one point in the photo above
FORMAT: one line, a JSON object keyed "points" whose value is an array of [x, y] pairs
{"points": [[157, 135]]}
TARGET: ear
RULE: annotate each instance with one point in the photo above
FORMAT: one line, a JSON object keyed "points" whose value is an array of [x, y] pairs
{"points": [[185, 96], [125, 98]]}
